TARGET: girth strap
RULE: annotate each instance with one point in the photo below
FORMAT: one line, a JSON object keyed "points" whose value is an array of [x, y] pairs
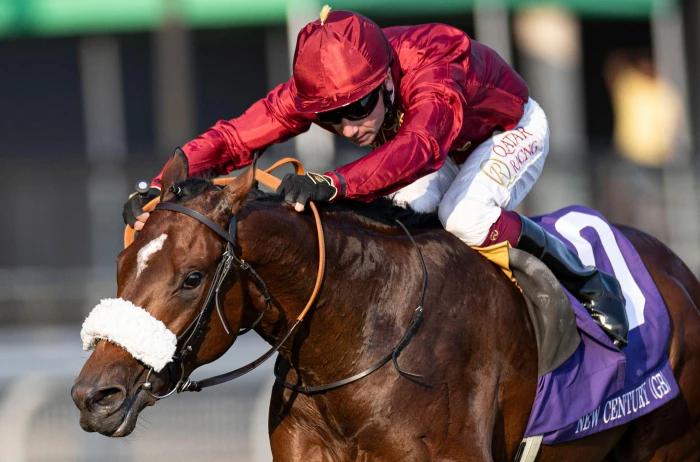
{"points": [[528, 449]]}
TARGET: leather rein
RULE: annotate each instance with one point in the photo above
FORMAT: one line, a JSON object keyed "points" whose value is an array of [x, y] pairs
{"points": [[194, 333]]}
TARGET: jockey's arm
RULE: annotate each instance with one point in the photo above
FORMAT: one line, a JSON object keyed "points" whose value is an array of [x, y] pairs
{"points": [[432, 122], [231, 144]]}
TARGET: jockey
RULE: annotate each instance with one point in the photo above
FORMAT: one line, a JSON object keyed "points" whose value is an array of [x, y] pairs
{"points": [[451, 125]]}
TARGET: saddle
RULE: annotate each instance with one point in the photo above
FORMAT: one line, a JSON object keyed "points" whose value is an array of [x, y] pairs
{"points": [[549, 310], [585, 383], [548, 306]]}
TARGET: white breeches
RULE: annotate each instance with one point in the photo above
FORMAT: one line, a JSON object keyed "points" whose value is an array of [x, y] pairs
{"points": [[497, 174]]}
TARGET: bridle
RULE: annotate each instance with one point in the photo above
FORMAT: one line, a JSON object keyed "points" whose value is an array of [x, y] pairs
{"points": [[193, 335]]}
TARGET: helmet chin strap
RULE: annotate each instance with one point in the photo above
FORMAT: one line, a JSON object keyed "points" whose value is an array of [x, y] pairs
{"points": [[389, 113], [388, 97]]}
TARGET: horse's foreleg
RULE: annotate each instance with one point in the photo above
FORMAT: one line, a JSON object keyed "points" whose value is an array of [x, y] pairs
{"points": [[291, 445], [294, 432], [291, 440]]}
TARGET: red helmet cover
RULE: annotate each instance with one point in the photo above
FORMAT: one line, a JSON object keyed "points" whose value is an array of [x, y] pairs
{"points": [[338, 61]]}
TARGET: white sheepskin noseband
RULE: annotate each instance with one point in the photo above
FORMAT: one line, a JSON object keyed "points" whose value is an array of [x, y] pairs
{"points": [[131, 327]]}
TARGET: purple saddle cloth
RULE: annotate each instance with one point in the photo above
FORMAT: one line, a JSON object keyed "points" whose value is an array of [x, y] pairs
{"points": [[600, 387]]}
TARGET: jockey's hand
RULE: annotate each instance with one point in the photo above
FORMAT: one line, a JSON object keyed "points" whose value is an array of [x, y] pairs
{"points": [[133, 213], [299, 189]]}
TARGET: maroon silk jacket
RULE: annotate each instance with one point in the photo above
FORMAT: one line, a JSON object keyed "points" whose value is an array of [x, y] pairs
{"points": [[453, 92]]}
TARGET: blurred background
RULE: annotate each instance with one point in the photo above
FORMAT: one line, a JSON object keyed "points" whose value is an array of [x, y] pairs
{"points": [[96, 94]]}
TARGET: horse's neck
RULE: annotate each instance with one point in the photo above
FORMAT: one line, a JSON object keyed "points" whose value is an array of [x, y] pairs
{"points": [[282, 249], [369, 283]]}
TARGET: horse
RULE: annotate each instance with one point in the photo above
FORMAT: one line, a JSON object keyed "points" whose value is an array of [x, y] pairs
{"points": [[472, 363]]}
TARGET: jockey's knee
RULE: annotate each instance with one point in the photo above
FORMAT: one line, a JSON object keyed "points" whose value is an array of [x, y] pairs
{"points": [[424, 194], [419, 199], [426, 203], [469, 220]]}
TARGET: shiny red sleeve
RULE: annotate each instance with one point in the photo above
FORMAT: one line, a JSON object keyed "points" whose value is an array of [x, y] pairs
{"points": [[431, 123], [230, 144]]}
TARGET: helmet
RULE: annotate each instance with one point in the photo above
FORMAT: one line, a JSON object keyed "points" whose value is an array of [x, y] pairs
{"points": [[338, 60]]}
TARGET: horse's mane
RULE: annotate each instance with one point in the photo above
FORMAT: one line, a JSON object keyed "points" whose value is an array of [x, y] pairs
{"points": [[379, 214], [190, 188]]}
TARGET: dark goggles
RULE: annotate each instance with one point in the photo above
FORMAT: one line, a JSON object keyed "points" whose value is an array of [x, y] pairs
{"points": [[353, 111]]}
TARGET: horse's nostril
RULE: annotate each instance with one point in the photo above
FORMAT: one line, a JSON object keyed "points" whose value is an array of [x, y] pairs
{"points": [[106, 398]]}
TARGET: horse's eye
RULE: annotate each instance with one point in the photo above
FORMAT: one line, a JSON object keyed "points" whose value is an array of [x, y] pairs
{"points": [[192, 280]]}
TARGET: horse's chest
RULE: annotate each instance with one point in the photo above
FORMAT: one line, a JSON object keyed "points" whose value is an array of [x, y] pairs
{"points": [[367, 424]]}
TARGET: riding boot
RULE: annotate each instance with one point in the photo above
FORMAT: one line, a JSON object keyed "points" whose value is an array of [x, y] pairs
{"points": [[599, 292]]}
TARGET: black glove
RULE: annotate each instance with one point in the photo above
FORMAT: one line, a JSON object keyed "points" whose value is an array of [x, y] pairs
{"points": [[133, 206], [303, 188]]}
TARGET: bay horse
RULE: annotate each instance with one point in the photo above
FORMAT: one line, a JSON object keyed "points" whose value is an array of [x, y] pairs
{"points": [[475, 351]]}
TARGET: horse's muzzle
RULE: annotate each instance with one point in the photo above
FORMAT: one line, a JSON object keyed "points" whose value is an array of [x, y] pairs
{"points": [[108, 409], [102, 400]]}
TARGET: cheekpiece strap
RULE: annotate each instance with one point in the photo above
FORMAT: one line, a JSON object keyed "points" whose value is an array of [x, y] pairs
{"points": [[232, 229]]}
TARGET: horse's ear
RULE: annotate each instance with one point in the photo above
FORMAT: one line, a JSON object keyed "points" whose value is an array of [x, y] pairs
{"points": [[238, 189], [175, 170]]}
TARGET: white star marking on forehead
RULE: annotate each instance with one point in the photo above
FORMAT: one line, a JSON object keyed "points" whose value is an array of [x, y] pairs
{"points": [[146, 251]]}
